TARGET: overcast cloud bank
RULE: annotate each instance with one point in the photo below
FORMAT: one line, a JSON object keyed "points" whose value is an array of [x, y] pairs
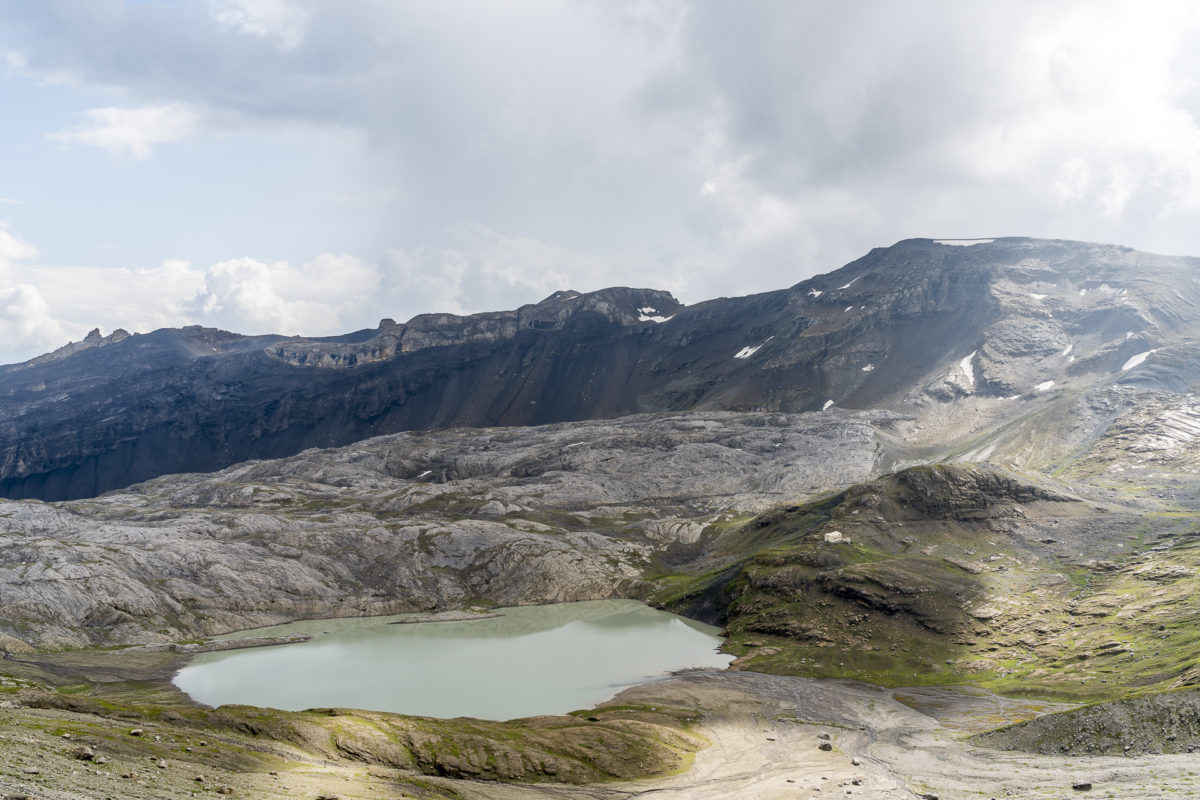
{"points": [[310, 167]]}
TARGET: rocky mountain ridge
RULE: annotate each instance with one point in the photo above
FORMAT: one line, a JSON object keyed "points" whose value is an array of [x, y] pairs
{"points": [[947, 333]]}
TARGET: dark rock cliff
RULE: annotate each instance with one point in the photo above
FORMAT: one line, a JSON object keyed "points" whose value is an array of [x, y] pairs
{"points": [[919, 322]]}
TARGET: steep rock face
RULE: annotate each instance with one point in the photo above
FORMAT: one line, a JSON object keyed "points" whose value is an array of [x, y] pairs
{"points": [[198, 399], [622, 306], [921, 327]]}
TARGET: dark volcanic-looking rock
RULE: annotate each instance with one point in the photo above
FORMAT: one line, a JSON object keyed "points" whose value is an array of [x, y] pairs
{"points": [[917, 325]]}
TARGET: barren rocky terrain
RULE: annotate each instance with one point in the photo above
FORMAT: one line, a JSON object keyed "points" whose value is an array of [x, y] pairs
{"points": [[575, 511], [954, 475]]}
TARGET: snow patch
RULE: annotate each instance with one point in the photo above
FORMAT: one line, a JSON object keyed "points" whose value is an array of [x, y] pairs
{"points": [[962, 242], [1082, 292], [868, 368], [1043, 386], [848, 285], [1106, 289], [746, 352], [1037, 296], [968, 368], [827, 406], [644, 318], [1128, 335], [1138, 359], [423, 474], [1070, 347], [647, 310], [849, 307], [815, 293]]}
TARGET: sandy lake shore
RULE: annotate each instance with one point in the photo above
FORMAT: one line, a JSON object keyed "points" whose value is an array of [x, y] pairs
{"points": [[908, 743]]}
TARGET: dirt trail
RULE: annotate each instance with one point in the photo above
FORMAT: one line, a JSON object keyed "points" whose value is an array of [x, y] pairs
{"points": [[764, 731]]}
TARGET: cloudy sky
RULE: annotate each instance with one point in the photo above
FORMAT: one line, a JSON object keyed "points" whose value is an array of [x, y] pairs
{"points": [[309, 166]]}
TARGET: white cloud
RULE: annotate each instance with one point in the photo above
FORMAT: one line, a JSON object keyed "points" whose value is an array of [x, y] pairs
{"points": [[15, 61], [277, 20], [42, 307], [71, 300], [25, 318], [488, 271], [700, 147], [429, 278], [250, 296], [131, 131], [14, 249]]}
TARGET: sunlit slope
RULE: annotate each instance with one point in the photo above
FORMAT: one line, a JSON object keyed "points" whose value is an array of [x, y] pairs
{"points": [[960, 572]]}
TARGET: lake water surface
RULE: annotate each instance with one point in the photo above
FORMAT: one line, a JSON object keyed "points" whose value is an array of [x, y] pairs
{"points": [[528, 661]]}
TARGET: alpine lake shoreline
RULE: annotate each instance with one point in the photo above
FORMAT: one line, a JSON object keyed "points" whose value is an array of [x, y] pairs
{"points": [[77, 723], [122, 699]]}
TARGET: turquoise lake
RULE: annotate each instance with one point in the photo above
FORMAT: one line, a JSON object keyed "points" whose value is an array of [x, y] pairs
{"points": [[527, 661]]}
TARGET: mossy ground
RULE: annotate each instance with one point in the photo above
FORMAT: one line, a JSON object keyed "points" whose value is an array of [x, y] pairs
{"points": [[96, 696], [942, 590]]}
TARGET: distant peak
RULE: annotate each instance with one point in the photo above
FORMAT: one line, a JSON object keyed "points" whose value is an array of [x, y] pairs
{"points": [[93, 339], [962, 242]]}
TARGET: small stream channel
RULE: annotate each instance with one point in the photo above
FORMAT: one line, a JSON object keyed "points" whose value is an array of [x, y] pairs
{"points": [[526, 661]]}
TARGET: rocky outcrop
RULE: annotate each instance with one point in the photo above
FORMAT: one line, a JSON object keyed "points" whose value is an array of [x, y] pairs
{"points": [[619, 306], [1167, 722], [952, 491]]}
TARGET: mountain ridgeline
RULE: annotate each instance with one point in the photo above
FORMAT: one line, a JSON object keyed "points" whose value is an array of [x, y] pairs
{"points": [[911, 328]]}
